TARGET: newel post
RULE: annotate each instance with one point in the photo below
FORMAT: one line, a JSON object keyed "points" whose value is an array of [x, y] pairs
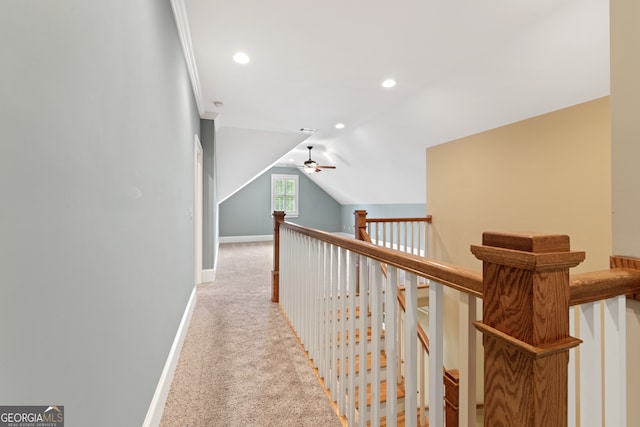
{"points": [[525, 326], [278, 218], [361, 223]]}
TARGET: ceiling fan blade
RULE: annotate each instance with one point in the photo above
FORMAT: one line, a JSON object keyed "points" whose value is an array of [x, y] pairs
{"points": [[311, 165]]}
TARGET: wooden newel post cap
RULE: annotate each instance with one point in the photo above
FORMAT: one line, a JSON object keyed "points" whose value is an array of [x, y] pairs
{"points": [[528, 251], [361, 222], [279, 215]]}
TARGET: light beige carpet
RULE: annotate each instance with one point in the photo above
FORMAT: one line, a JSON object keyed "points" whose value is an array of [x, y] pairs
{"points": [[240, 364]]}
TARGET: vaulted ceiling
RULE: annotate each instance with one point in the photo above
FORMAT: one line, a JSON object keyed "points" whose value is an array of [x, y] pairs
{"points": [[461, 67]]}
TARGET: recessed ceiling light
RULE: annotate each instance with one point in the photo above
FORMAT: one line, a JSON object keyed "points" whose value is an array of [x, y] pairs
{"points": [[388, 83], [339, 125], [241, 58]]}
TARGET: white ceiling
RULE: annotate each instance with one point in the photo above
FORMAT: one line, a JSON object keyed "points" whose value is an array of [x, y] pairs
{"points": [[461, 66]]}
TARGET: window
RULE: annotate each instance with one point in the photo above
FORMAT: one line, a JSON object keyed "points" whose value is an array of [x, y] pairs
{"points": [[284, 194]]}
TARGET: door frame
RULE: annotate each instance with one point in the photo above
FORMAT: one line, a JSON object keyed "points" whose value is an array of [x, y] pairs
{"points": [[197, 209]]}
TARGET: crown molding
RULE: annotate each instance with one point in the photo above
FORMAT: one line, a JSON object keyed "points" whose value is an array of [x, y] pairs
{"points": [[209, 115], [182, 23]]}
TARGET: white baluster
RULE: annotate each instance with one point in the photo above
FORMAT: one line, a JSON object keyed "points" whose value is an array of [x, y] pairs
{"points": [[309, 315], [571, 379], [406, 239], [326, 315], [422, 390], [333, 336], [351, 338], [319, 324], [363, 302], [590, 364], [615, 368], [342, 404], [411, 349], [391, 349], [413, 235], [375, 273], [467, 361], [436, 355]]}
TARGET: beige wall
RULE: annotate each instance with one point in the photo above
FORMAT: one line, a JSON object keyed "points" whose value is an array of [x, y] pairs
{"points": [[625, 159], [548, 174], [625, 125]]}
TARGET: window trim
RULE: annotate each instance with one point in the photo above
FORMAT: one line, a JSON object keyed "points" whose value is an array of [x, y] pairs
{"points": [[274, 178]]}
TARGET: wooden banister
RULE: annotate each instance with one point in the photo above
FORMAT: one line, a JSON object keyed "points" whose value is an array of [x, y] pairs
{"points": [[455, 277], [427, 219], [623, 279], [526, 290]]}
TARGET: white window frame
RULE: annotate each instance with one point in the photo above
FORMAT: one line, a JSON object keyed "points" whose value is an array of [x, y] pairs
{"points": [[274, 178]]}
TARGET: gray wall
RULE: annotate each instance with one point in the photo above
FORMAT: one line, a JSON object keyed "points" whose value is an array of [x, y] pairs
{"points": [[96, 184], [380, 211], [248, 212], [209, 197]]}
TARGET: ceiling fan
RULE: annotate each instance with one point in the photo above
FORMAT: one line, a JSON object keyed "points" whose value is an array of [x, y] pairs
{"points": [[310, 166]]}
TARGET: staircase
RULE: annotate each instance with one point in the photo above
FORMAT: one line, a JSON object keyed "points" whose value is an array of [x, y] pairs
{"points": [[344, 307], [369, 371], [318, 267]]}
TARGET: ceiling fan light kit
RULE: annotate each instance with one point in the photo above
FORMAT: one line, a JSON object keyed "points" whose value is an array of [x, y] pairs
{"points": [[310, 166]]}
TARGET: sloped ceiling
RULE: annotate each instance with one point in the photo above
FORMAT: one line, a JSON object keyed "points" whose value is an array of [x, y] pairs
{"points": [[245, 154], [461, 66]]}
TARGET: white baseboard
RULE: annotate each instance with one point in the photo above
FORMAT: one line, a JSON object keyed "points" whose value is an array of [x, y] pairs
{"points": [[154, 413], [245, 239], [208, 275]]}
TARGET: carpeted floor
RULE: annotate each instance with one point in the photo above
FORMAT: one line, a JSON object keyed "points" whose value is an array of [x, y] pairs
{"points": [[241, 364]]}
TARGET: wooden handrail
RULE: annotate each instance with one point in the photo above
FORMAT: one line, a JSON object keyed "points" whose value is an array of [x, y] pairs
{"points": [[583, 287], [622, 279], [427, 219], [455, 277], [364, 236], [601, 285]]}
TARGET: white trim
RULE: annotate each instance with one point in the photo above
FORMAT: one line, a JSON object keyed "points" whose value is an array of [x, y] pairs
{"points": [[244, 239], [259, 238], [156, 408], [182, 22], [277, 176], [198, 212], [208, 275], [215, 260]]}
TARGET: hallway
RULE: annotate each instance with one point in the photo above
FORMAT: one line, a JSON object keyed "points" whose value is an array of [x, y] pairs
{"points": [[240, 364]]}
